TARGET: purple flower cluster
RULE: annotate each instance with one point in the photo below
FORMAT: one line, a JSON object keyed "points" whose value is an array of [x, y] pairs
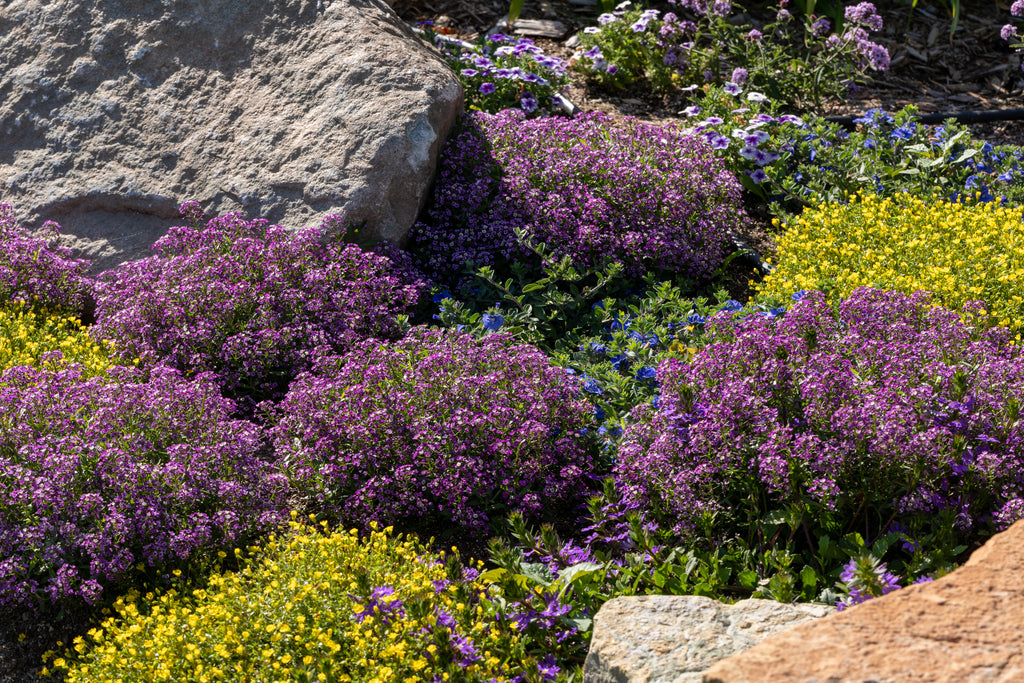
{"points": [[250, 302], [100, 475], [888, 404], [515, 71], [34, 268], [864, 18], [438, 426], [647, 196], [865, 578]]}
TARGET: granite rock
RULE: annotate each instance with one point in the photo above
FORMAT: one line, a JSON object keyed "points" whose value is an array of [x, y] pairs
{"points": [[115, 111], [673, 639]]}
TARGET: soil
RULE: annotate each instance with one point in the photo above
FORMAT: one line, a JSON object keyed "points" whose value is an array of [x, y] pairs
{"points": [[972, 70]]}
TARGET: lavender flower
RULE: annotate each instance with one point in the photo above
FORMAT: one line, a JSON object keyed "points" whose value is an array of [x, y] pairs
{"points": [[740, 75], [1008, 32]]}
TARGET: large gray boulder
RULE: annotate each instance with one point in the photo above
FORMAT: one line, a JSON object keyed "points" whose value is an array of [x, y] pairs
{"points": [[674, 639], [112, 112]]}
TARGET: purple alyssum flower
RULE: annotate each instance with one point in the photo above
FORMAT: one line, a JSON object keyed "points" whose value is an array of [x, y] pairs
{"points": [[251, 302], [885, 399], [438, 427], [640, 194], [101, 475]]}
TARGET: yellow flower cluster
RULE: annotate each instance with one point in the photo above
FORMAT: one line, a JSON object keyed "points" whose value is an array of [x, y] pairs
{"points": [[960, 252], [295, 613], [28, 334]]}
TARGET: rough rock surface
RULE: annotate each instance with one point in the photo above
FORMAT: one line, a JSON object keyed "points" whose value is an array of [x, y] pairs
{"points": [[112, 112], [965, 626], [673, 639]]}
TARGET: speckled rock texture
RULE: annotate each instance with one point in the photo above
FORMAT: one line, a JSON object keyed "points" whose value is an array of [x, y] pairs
{"points": [[965, 626], [674, 639], [115, 111]]}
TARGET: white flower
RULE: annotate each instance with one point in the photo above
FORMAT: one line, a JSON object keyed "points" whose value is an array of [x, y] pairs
{"points": [[756, 97]]}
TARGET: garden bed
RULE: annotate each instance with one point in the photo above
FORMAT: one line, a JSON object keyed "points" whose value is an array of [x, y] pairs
{"points": [[573, 376]]}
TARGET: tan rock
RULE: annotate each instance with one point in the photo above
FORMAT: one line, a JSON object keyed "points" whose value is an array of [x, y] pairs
{"points": [[115, 111], [965, 626], [673, 638]]}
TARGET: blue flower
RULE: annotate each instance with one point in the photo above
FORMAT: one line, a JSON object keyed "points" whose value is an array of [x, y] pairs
{"points": [[599, 414], [592, 387], [646, 372], [616, 361], [799, 295], [598, 348], [493, 322], [732, 305], [441, 296], [696, 319], [902, 133]]}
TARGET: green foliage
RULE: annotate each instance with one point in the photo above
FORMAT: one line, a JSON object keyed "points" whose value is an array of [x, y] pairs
{"points": [[800, 62]]}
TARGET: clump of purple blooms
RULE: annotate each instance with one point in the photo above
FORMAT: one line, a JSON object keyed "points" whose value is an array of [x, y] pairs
{"points": [[100, 475], [438, 427], [885, 409], [35, 269], [1009, 32], [503, 72], [253, 303], [647, 196], [864, 577]]}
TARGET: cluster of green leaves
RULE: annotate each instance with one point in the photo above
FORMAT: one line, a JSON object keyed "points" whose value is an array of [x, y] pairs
{"points": [[796, 60]]}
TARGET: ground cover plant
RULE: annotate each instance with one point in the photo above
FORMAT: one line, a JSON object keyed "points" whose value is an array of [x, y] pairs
{"points": [[33, 337], [34, 269], [106, 478], [642, 195], [250, 302], [440, 429], [887, 415], [904, 243], [504, 72], [794, 162], [316, 606]]}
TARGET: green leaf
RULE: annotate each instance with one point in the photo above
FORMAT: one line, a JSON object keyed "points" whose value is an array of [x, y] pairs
{"points": [[582, 625], [809, 577], [532, 287], [515, 8], [537, 572], [493, 575], [577, 571], [748, 579], [967, 154]]}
